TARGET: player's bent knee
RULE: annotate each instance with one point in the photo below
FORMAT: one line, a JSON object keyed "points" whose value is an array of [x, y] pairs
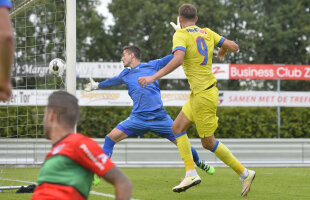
{"points": [[117, 135], [206, 146], [177, 129], [208, 143], [175, 142]]}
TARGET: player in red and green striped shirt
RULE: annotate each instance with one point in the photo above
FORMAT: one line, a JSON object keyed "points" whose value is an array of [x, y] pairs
{"points": [[68, 170]]}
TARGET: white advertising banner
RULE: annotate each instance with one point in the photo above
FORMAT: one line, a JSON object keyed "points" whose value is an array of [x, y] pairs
{"points": [[98, 69], [264, 98], [221, 71], [169, 97], [104, 98], [111, 69], [28, 98]]}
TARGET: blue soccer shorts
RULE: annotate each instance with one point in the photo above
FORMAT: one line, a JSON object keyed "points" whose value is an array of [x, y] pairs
{"points": [[136, 125]]}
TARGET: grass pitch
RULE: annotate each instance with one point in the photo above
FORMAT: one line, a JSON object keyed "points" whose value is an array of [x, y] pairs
{"points": [[156, 183]]}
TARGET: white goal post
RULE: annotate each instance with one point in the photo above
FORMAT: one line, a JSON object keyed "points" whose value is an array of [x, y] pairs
{"points": [[71, 46], [45, 29]]}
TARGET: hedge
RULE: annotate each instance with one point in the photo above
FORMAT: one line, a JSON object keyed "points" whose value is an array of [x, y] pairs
{"points": [[234, 122]]}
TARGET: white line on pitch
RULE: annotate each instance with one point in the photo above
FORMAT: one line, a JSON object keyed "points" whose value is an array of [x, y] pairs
{"points": [[7, 179], [92, 192], [106, 195], [102, 194]]}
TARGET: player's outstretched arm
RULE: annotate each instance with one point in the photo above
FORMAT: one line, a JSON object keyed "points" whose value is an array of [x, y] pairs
{"points": [[176, 61], [92, 85], [227, 45], [122, 184]]}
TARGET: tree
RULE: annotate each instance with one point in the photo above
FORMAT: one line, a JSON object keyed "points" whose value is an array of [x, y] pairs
{"points": [[267, 31], [284, 27], [93, 41], [143, 23]]}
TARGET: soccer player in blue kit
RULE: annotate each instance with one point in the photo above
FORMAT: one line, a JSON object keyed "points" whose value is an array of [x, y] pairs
{"points": [[148, 113]]}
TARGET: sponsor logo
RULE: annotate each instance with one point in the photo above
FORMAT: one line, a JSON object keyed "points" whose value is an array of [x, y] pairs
{"points": [[91, 156], [195, 30], [103, 157], [57, 149], [217, 70], [101, 95]]}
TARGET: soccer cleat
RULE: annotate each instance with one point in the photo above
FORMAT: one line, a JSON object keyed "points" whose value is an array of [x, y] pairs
{"points": [[246, 183], [207, 168], [187, 182], [96, 180]]}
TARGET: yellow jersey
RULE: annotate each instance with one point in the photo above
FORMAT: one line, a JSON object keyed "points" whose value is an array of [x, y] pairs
{"points": [[198, 45]]}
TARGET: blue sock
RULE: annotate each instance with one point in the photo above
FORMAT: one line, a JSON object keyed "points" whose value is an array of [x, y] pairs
{"points": [[195, 156], [108, 146]]}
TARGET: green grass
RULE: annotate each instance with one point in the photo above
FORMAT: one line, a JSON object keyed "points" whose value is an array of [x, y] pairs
{"points": [[156, 183]]}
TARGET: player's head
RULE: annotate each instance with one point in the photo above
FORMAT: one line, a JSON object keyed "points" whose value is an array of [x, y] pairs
{"points": [[188, 14], [130, 55], [62, 111]]}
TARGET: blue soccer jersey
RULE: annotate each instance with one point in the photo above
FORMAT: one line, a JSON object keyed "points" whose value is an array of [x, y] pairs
{"points": [[5, 3], [144, 99]]}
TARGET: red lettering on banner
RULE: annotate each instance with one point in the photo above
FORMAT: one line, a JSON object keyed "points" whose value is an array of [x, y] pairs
{"points": [[282, 99], [300, 99], [242, 99], [295, 99], [266, 99], [307, 73]]}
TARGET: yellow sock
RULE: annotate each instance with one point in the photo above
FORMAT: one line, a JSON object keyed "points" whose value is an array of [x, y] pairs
{"points": [[185, 151], [223, 153]]}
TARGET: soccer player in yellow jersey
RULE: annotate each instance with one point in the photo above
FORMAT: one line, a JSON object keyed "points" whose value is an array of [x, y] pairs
{"points": [[193, 48]]}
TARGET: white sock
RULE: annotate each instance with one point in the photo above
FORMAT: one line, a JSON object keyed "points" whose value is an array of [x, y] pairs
{"points": [[244, 174], [191, 172]]}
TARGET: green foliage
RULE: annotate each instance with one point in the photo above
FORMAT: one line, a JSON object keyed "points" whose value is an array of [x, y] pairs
{"points": [[93, 41], [144, 23], [247, 123], [21, 122], [99, 121], [40, 31], [295, 122], [284, 27], [266, 31]]}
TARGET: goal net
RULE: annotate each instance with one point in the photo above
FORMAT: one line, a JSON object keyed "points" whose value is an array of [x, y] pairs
{"points": [[40, 27]]}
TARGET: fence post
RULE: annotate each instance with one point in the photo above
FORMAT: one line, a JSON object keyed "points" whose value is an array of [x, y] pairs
{"points": [[279, 109]]}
